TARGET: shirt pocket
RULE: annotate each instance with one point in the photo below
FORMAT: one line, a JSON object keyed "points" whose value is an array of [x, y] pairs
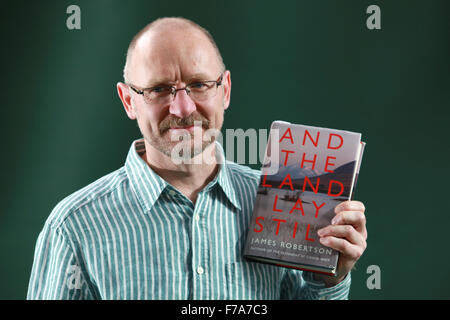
{"points": [[252, 280]]}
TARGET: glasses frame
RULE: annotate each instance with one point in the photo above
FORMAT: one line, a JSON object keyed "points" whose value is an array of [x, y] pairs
{"points": [[174, 90]]}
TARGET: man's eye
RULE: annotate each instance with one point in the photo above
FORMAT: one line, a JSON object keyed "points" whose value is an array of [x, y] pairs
{"points": [[197, 85], [161, 89]]}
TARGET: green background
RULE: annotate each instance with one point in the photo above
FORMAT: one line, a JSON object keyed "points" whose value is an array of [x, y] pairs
{"points": [[309, 62]]}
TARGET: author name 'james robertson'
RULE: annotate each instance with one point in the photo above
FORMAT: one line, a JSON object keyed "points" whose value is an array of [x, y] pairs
{"points": [[290, 245]]}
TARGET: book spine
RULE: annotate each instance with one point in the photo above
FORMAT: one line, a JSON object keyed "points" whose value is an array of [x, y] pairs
{"points": [[358, 166]]}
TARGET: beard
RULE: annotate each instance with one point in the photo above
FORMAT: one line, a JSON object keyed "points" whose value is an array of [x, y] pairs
{"points": [[187, 144]]}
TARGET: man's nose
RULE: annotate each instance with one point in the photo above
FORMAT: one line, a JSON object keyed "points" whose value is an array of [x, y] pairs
{"points": [[182, 105]]}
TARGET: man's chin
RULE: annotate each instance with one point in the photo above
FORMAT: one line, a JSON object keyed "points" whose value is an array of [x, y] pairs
{"points": [[188, 151], [180, 150]]}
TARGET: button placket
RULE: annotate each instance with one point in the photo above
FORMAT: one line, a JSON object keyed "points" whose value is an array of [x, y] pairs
{"points": [[200, 249]]}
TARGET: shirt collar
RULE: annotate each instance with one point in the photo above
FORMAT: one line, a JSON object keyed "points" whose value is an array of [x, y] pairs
{"points": [[224, 177], [148, 185]]}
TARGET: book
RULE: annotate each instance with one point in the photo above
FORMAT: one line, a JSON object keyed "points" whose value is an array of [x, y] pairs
{"points": [[307, 171]]}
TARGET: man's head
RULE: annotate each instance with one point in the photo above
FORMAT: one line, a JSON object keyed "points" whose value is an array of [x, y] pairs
{"points": [[173, 52]]}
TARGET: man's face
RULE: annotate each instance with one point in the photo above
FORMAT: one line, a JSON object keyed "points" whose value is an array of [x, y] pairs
{"points": [[177, 58]]}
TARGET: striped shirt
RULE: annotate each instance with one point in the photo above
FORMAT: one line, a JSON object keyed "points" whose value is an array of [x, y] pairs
{"points": [[132, 235]]}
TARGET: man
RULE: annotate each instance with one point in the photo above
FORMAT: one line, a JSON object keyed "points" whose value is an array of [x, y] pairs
{"points": [[161, 229]]}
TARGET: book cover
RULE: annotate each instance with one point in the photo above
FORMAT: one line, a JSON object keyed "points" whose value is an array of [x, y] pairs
{"points": [[307, 171]]}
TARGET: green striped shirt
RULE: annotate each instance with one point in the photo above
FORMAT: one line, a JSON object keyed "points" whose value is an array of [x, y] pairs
{"points": [[131, 235]]}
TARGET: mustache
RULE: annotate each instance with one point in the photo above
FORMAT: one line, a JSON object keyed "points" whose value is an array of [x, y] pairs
{"points": [[173, 122]]}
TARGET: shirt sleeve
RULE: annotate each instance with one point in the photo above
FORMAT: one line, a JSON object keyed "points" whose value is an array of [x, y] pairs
{"points": [[300, 285], [56, 273]]}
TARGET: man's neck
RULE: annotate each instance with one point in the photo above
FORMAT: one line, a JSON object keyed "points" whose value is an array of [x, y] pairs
{"points": [[188, 178]]}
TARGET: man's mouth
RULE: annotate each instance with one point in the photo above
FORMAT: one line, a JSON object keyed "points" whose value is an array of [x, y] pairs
{"points": [[189, 124], [182, 127]]}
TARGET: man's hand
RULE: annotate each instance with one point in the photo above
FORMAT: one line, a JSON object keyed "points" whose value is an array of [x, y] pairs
{"points": [[346, 234]]}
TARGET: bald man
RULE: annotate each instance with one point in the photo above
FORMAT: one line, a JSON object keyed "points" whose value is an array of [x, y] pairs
{"points": [[157, 228]]}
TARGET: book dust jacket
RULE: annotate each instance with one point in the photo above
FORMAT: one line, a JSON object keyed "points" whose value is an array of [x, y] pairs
{"points": [[307, 172]]}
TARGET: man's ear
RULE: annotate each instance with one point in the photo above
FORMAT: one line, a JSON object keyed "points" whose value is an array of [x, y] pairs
{"points": [[226, 81], [125, 97]]}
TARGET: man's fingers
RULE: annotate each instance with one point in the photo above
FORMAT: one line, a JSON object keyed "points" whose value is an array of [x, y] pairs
{"points": [[355, 218], [343, 231], [346, 248], [352, 205]]}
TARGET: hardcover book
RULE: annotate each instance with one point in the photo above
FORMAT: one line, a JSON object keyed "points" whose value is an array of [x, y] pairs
{"points": [[307, 171]]}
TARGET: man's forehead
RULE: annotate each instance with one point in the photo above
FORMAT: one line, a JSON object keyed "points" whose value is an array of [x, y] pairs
{"points": [[163, 77], [164, 57]]}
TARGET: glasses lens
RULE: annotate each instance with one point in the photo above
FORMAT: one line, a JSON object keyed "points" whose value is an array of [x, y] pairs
{"points": [[202, 91], [158, 95]]}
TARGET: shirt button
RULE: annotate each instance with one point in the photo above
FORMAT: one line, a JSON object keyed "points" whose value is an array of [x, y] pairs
{"points": [[200, 270], [172, 193], [197, 217]]}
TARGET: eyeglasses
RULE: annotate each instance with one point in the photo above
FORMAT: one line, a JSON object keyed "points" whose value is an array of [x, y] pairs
{"points": [[164, 94]]}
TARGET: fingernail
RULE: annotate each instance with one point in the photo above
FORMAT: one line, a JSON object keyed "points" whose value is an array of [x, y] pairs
{"points": [[334, 221]]}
